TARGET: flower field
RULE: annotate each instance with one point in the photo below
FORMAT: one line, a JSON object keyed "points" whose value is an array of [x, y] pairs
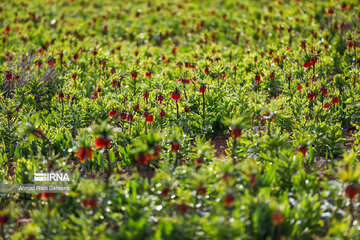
{"points": [[184, 119]]}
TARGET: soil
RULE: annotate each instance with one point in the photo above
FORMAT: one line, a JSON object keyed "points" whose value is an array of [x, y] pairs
{"points": [[219, 146]]}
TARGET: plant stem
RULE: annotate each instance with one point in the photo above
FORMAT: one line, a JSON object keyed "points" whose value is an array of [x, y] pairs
{"points": [[145, 127], [83, 170], [269, 128], [203, 96], [289, 84], [2, 232], [177, 110], [62, 108], [175, 163], [233, 151], [276, 91], [355, 52], [354, 80], [109, 167], [48, 141], [185, 92]]}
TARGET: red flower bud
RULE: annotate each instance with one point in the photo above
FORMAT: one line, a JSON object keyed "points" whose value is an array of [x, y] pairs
{"points": [[160, 98], [202, 89]]}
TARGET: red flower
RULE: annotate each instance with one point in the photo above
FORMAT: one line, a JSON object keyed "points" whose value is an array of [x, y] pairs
{"points": [[184, 80], [94, 53], [112, 113], [302, 149], [206, 70], [7, 29], [89, 203], [137, 106], [229, 199], [148, 74], [335, 100], [37, 133], [303, 45], [4, 220], [257, 78], [201, 190], [165, 191], [51, 62], [183, 208], [277, 218], [143, 159], [160, 98], [150, 118], [186, 109], [47, 196], [102, 143], [134, 75], [351, 191], [61, 95], [330, 12], [9, 77], [310, 96], [306, 65], [84, 152], [175, 147], [38, 64], [146, 95], [162, 113], [99, 90], [342, 25], [123, 116], [235, 133], [313, 60], [271, 53], [130, 117], [323, 91], [73, 77], [76, 57], [175, 96], [202, 89], [272, 75], [298, 87], [326, 106], [252, 180]]}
